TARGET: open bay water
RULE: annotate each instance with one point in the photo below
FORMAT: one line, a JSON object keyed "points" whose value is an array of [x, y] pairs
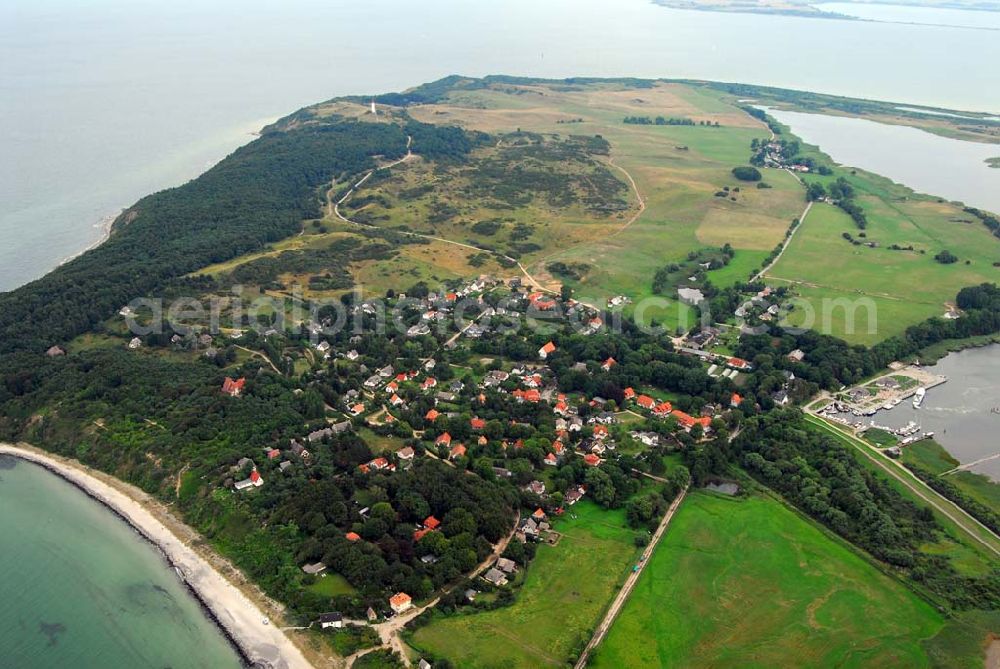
{"points": [[105, 101], [79, 588], [949, 168], [961, 412]]}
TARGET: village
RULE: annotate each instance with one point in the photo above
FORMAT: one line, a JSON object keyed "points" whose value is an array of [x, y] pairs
{"points": [[484, 395]]}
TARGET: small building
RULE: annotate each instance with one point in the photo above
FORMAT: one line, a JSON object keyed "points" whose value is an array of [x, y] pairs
{"points": [[400, 602], [546, 350], [314, 568], [233, 388], [495, 577], [55, 352], [506, 566], [406, 453], [328, 620]]}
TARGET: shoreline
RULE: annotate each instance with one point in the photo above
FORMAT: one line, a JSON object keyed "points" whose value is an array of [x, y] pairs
{"points": [[239, 618]]}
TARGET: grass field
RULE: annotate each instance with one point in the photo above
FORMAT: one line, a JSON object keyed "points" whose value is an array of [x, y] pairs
{"points": [[331, 585], [929, 455], [749, 583], [564, 594], [903, 286]]}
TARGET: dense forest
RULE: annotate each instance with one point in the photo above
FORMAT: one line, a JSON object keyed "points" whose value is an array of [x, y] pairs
{"points": [[259, 194]]}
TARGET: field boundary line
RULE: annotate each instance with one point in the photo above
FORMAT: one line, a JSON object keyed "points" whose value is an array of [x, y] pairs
{"points": [[626, 590]]}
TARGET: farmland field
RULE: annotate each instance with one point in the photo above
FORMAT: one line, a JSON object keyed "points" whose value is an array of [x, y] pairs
{"points": [[749, 583], [564, 594]]}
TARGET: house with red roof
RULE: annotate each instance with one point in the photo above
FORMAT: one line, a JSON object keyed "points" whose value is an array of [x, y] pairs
{"points": [[738, 363], [233, 388], [431, 523], [687, 421], [443, 440], [352, 536], [429, 382], [735, 400], [551, 460], [396, 400], [663, 409], [457, 451], [629, 393], [527, 395], [477, 423], [591, 460], [391, 387], [400, 602], [432, 415], [357, 410], [608, 364], [273, 453], [420, 534], [561, 408], [646, 402], [600, 432], [546, 350]]}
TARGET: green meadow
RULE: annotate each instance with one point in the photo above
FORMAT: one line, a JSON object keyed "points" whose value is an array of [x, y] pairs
{"points": [[749, 583], [564, 594]]}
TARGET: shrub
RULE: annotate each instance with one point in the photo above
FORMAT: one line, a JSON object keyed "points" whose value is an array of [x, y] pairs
{"points": [[746, 173]]}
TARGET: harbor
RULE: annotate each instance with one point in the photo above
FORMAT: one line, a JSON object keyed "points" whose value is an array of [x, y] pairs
{"points": [[959, 409]]}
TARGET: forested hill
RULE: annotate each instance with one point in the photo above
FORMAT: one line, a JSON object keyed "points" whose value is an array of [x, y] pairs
{"points": [[257, 195]]}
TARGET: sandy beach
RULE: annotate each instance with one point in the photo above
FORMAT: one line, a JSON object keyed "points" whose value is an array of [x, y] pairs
{"points": [[262, 644]]}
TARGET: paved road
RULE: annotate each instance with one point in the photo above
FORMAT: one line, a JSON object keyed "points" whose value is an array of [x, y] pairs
{"points": [[626, 590], [898, 471]]}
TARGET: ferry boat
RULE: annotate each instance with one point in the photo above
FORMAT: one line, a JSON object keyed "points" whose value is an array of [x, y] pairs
{"points": [[918, 398]]}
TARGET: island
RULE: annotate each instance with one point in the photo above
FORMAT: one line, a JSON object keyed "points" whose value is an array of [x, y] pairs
{"points": [[509, 372]]}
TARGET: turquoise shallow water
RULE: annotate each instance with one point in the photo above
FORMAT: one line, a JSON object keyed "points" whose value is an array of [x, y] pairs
{"points": [[79, 588]]}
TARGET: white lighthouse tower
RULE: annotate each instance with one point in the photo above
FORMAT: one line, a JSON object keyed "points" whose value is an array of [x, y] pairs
{"points": [[374, 113]]}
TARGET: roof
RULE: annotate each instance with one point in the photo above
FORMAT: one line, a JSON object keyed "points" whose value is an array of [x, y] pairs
{"points": [[457, 450], [432, 523], [477, 423], [432, 415], [444, 438], [331, 617], [352, 536], [399, 599], [549, 347], [645, 401], [591, 459], [233, 387], [735, 400]]}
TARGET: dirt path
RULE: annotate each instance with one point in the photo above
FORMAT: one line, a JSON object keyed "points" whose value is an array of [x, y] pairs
{"points": [[626, 590], [389, 630], [788, 240], [259, 354]]}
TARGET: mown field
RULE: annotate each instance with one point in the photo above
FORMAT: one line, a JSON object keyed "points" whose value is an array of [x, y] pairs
{"points": [[902, 286], [565, 593], [749, 583]]}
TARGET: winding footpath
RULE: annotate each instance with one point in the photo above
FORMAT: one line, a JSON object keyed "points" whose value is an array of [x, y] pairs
{"points": [[333, 211]]}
